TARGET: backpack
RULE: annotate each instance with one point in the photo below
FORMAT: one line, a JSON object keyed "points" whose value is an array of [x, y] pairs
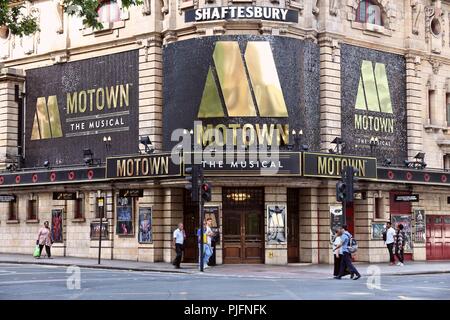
{"points": [[353, 246]]}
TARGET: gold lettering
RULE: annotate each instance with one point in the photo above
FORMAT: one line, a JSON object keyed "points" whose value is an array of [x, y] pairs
{"points": [[130, 168], [121, 168], [111, 96], [322, 166], [72, 103], [154, 165], [124, 95], [100, 101], [91, 99], [82, 101]]}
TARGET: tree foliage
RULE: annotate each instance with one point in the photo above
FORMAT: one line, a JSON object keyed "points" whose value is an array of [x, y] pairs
{"points": [[14, 16]]}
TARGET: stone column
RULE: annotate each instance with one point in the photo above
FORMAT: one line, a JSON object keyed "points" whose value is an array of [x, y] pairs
{"points": [[153, 198], [172, 215], [414, 105], [309, 225], [9, 114], [330, 91], [326, 198], [151, 90]]}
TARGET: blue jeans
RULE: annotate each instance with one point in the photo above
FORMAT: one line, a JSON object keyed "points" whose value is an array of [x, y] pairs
{"points": [[207, 253]]}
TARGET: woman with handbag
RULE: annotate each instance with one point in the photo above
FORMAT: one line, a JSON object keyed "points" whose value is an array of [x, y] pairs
{"points": [[45, 239]]}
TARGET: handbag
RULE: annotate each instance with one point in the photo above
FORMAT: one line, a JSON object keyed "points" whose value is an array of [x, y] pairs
{"points": [[36, 252]]}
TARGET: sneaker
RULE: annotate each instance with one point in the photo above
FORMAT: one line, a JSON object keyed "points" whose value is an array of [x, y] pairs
{"points": [[401, 264], [205, 266]]}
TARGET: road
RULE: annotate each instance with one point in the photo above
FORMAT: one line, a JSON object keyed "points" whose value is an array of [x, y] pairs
{"points": [[22, 282]]}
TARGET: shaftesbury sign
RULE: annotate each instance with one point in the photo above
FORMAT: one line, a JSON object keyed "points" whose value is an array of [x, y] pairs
{"points": [[232, 12], [328, 165], [142, 166]]}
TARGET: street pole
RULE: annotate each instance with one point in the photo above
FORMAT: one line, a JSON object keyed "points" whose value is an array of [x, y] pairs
{"points": [[100, 236], [200, 209]]}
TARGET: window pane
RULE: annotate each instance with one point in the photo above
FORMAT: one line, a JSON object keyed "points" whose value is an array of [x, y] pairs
{"points": [[448, 114], [253, 223]]}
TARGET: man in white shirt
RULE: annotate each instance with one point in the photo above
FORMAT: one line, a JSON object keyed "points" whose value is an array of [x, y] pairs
{"points": [[390, 234], [178, 240]]}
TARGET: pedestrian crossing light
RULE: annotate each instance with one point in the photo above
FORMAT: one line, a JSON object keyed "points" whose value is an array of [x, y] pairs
{"points": [[344, 187], [206, 192], [341, 189]]}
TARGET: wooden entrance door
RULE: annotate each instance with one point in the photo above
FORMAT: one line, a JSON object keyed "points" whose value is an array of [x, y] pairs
{"points": [[293, 225], [243, 225], [438, 237]]}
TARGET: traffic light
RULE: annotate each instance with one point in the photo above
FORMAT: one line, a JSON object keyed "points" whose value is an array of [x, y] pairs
{"points": [[206, 192], [344, 187], [192, 181], [349, 179], [341, 194]]}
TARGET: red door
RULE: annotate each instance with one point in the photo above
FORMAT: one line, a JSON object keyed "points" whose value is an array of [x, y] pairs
{"points": [[438, 237], [350, 217]]}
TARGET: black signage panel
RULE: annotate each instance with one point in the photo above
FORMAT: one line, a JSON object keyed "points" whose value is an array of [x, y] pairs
{"points": [[235, 90], [7, 198], [73, 106], [331, 165], [248, 163], [142, 166], [57, 176], [64, 195], [373, 97], [414, 176], [234, 12], [406, 198], [134, 193]]}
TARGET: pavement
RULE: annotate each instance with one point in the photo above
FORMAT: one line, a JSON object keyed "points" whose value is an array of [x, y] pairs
{"points": [[290, 271], [46, 282]]}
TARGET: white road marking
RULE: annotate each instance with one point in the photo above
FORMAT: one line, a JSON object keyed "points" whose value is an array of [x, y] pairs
{"points": [[411, 298]]}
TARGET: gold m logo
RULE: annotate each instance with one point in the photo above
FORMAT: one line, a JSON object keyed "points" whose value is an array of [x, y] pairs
{"points": [[235, 86], [373, 89], [46, 123]]}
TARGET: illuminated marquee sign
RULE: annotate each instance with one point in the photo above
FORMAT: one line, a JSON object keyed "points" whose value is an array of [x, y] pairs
{"points": [[330, 165], [249, 164], [142, 166], [233, 12]]}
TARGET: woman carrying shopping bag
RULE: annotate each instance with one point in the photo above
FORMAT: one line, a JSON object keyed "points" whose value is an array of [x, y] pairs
{"points": [[44, 239]]}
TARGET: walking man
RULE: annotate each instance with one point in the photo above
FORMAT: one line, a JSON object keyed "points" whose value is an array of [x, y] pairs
{"points": [[346, 261], [390, 234], [206, 241], [399, 244], [178, 240]]}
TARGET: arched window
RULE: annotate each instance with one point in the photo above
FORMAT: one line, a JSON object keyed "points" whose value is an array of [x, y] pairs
{"points": [[369, 12], [108, 11]]}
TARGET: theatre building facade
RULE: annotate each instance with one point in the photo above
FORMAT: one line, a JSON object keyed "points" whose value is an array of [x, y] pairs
{"points": [[272, 99]]}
